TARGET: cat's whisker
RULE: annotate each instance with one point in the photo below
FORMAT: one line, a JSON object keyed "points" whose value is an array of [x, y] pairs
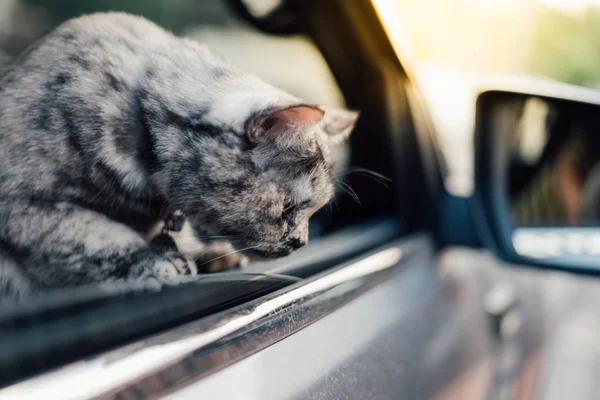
{"points": [[334, 203], [346, 188], [224, 255], [327, 208], [188, 240], [201, 238], [382, 182], [367, 171], [206, 236], [217, 237], [376, 176]]}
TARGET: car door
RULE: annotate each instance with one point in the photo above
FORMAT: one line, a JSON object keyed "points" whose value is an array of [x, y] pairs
{"points": [[373, 308]]}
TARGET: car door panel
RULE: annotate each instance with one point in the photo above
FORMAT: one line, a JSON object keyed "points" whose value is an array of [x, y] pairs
{"points": [[411, 336]]}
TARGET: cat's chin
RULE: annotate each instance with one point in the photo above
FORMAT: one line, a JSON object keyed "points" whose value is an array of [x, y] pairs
{"points": [[261, 255]]}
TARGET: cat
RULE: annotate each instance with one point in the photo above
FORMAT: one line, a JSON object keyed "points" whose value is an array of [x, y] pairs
{"points": [[109, 123]]}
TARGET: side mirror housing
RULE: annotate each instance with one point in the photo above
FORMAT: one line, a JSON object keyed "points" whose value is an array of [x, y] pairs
{"points": [[537, 175]]}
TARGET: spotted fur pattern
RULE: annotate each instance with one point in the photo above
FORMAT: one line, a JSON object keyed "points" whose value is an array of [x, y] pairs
{"points": [[110, 122]]}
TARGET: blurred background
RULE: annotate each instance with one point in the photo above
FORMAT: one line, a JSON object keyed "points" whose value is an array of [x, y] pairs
{"points": [[457, 46], [556, 39], [452, 46], [210, 21]]}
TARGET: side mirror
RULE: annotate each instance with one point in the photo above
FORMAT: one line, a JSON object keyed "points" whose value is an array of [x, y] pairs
{"points": [[537, 176]]}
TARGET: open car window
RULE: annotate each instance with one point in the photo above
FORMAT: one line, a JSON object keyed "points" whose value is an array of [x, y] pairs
{"points": [[292, 63], [43, 331]]}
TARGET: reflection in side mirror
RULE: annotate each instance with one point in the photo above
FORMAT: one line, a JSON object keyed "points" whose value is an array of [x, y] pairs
{"points": [[554, 164], [538, 174]]}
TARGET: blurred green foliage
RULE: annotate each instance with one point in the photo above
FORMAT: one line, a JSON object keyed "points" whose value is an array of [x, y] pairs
{"points": [[22, 22], [174, 15], [524, 37], [566, 46]]}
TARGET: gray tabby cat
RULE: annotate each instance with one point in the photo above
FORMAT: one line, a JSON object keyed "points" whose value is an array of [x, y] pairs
{"points": [[109, 123]]}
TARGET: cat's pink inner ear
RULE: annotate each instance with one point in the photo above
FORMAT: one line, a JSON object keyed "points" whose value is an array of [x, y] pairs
{"points": [[282, 121]]}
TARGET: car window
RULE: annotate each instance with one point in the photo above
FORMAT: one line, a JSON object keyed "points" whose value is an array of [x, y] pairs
{"points": [[292, 63]]}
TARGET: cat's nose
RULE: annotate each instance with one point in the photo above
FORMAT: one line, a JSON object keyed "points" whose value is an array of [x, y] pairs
{"points": [[297, 243]]}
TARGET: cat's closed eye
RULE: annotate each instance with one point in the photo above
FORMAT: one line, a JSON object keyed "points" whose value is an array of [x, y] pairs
{"points": [[288, 207]]}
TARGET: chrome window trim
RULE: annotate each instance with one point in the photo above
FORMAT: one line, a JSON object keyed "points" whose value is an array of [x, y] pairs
{"points": [[161, 364]]}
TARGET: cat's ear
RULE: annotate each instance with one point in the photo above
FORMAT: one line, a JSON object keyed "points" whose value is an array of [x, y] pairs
{"points": [[280, 122], [338, 122]]}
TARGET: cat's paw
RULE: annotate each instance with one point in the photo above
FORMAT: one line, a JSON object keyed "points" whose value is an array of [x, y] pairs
{"points": [[219, 257], [172, 265]]}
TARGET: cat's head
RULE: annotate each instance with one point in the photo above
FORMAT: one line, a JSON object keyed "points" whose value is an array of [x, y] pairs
{"points": [[249, 163], [293, 176]]}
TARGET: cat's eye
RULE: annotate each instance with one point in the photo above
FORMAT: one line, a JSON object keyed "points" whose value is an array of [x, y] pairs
{"points": [[288, 205]]}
